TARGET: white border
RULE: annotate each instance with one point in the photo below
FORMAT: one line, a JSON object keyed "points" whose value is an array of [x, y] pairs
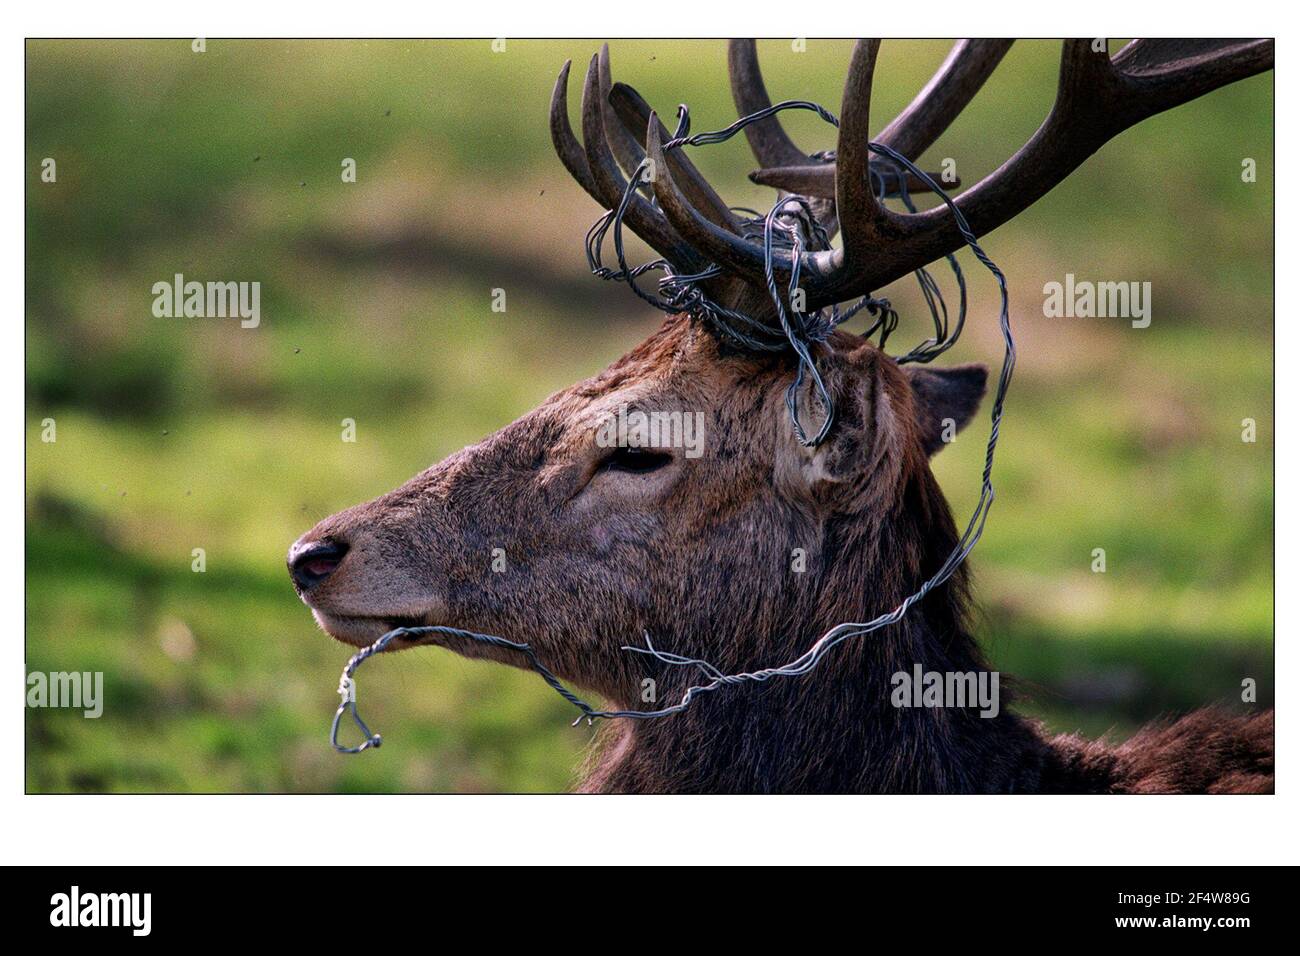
{"points": [[458, 829]]}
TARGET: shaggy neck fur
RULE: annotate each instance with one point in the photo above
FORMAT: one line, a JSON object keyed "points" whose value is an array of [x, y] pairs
{"points": [[835, 730]]}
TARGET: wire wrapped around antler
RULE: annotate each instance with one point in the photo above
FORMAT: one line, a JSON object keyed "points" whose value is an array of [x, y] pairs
{"points": [[912, 132], [594, 167], [1097, 97]]}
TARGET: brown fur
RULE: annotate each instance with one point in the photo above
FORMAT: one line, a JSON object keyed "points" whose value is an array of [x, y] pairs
{"points": [[698, 555]]}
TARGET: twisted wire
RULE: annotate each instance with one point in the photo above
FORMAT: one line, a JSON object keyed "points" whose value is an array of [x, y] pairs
{"points": [[786, 232]]}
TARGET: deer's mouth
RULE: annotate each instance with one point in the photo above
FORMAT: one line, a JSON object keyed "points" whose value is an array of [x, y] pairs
{"points": [[363, 630]]}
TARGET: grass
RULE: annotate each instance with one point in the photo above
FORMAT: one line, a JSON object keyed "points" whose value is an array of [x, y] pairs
{"points": [[185, 433]]}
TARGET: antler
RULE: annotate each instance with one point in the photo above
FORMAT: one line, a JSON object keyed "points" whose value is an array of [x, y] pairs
{"points": [[594, 167], [913, 131], [608, 143], [786, 166], [1097, 98]]}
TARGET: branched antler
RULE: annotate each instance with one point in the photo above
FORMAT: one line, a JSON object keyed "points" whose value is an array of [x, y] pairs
{"points": [[1098, 97], [912, 132]]}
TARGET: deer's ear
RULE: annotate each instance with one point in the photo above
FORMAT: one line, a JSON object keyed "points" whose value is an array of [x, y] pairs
{"points": [[946, 399]]}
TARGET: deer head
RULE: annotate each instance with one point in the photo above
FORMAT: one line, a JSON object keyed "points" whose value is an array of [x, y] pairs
{"points": [[548, 533]]}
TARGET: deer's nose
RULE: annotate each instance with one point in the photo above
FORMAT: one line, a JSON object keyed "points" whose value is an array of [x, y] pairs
{"points": [[311, 562]]}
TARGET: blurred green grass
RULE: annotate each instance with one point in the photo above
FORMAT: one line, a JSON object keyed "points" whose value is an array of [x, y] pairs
{"points": [[178, 434]]}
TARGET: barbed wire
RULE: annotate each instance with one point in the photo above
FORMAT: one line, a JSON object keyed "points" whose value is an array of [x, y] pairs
{"points": [[789, 233]]}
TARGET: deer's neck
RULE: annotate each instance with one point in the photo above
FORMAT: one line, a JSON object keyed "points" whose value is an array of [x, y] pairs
{"points": [[838, 728]]}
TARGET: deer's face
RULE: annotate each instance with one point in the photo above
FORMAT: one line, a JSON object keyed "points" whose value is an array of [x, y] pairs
{"points": [[667, 495]]}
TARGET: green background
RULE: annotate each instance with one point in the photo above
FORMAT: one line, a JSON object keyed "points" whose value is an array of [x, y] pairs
{"points": [[175, 434]]}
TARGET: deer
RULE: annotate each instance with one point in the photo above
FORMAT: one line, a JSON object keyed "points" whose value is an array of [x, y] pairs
{"points": [[607, 543]]}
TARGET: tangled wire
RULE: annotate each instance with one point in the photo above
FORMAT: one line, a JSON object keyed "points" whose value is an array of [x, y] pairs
{"points": [[789, 228], [792, 228]]}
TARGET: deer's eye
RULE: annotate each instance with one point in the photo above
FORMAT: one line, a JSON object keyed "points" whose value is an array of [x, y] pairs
{"points": [[637, 461]]}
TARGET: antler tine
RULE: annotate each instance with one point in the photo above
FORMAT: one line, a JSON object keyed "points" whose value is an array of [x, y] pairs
{"points": [[633, 114], [1166, 73], [600, 159], [624, 144], [607, 182], [968, 65], [566, 144], [861, 215], [767, 138], [775, 151], [727, 249], [1097, 98], [1086, 83], [912, 132]]}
